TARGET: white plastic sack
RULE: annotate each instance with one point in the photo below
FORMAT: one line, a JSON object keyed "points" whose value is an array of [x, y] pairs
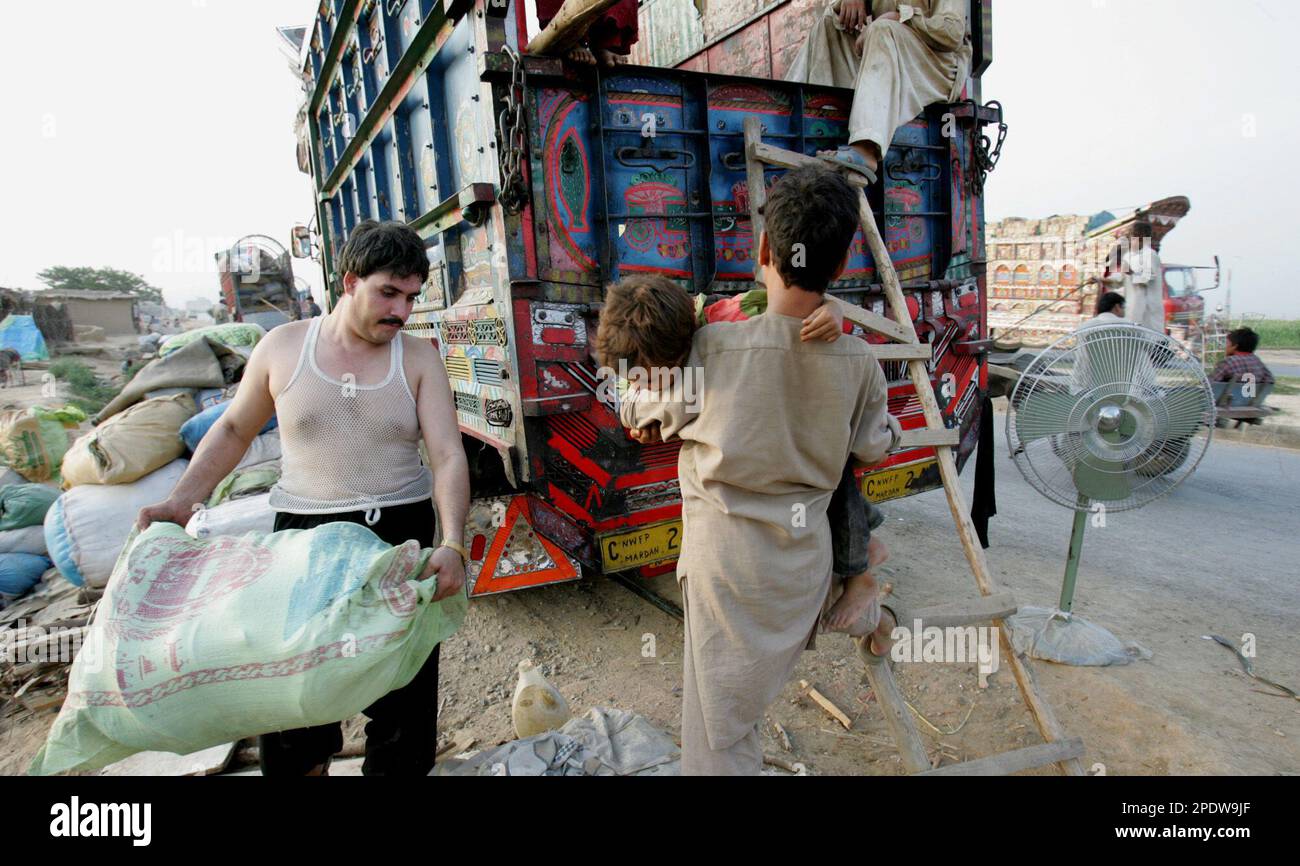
{"points": [[87, 526], [251, 514], [204, 642]]}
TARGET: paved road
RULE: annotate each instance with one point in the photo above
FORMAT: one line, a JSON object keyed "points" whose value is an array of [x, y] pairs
{"points": [[1285, 369], [1219, 554]]}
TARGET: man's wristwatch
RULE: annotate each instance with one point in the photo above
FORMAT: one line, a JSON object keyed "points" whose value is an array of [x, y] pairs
{"points": [[458, 547]]}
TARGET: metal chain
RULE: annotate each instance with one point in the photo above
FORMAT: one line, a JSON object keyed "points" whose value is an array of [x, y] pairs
{"points": [[986, 154], [511, 131]]}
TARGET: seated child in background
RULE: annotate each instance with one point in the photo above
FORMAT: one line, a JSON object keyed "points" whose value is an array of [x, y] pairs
{"points": [[659, 309]]}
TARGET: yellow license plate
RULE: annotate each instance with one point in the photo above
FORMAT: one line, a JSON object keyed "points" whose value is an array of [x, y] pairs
{"points": [[645, 545], [898, 481]]}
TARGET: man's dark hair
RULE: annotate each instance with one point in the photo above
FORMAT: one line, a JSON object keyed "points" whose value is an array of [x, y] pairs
{"points": [[375, 247], [1108, 302], [1244, 339], [817, 208]]}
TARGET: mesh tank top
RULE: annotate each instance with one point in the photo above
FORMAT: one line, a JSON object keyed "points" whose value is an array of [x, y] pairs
{"points": [[346, 446]]}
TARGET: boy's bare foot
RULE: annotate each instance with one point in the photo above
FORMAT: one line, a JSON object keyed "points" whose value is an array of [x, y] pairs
{"points": [[609, 58], [858, 605], [581, 54], [856, 610]]}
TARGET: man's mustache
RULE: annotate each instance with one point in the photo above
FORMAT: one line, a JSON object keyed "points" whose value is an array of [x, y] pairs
{"points": [[397, 322]]}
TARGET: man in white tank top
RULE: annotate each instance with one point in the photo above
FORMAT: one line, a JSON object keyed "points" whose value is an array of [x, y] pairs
{"points": [[354, 397]]}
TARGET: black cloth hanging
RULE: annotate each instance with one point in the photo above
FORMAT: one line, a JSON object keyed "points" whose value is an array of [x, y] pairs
{"points": [[985, 504]]}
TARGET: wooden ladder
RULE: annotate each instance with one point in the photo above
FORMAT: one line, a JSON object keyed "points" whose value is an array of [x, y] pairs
{"points": [[993, 606]]}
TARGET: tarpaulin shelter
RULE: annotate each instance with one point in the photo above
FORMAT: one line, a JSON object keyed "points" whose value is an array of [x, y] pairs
{"points": [[21, 334]]}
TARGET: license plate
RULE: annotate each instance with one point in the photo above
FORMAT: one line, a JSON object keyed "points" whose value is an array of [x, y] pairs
{"points": [[899, 481], [645, 545]]}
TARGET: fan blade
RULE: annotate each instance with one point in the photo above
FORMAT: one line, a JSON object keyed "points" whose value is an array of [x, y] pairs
{"points": [[1186, 413], [1045, 413], [1105, 359]]}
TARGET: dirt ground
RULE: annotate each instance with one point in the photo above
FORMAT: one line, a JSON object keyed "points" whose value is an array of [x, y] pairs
{"points": [[1187, 710]]}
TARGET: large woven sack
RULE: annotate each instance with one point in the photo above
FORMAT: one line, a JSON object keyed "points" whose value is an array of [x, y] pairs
{"points": [[87, 526], [23, 505], [34, 440], [198, 643], [235, 335], [131, 444]]}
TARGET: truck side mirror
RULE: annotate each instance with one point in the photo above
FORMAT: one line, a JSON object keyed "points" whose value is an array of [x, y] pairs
{"points": [[300, 242]]}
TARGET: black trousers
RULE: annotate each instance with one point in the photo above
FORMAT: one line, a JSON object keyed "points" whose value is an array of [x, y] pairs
{"points": [[402, 734], [852, 517]]}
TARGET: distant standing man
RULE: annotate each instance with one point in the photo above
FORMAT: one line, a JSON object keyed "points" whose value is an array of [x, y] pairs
{"points": [[354, 397], [1140, 274]]}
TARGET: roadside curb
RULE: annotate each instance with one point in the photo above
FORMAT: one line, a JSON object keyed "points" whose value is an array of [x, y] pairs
{"points": [[1276, 435], [1269, 433]]}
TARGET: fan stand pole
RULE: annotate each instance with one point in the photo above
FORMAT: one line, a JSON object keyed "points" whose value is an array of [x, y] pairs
{"points": [[1072, 558], [898, 327]]}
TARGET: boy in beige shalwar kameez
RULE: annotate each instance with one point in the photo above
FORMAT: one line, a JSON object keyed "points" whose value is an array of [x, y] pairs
{"points": [[764, 446], [916, 55]]}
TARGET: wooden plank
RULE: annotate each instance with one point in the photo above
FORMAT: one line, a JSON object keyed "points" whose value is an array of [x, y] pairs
{"points": [[776, 156], [1015, 761], [878, 324], [568, 26], [910, 747], [826, 704], [923, 437], [901, 351], [757, 186], [961, 613]]}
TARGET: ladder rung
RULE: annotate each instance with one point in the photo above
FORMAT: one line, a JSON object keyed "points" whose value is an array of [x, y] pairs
{"points": [[878, 324], [901, 351], [924, 437], [781, 158], [1014, 761], [960, 613]]}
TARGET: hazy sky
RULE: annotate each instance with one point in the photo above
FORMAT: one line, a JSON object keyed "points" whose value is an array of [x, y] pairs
{"points": [[147, 135]]}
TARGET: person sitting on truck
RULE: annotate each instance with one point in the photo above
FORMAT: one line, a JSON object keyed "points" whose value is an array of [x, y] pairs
{"points": [[1110, 309], [609, 38], [898, 58], [764, 450], [355, 397], [1240, 363]]}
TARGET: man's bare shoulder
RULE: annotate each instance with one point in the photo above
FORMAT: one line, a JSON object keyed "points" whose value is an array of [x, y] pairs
{"points": [[283, 336], [419, 347], [419, 357], [278, 351]]}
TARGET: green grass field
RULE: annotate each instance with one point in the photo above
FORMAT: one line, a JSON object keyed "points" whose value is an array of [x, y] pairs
{"points": [[1288, 385], [1274, 333]]}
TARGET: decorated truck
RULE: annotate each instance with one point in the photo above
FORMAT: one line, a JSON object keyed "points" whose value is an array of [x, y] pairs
{"points": [[1045, 275], [535, 185]]}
